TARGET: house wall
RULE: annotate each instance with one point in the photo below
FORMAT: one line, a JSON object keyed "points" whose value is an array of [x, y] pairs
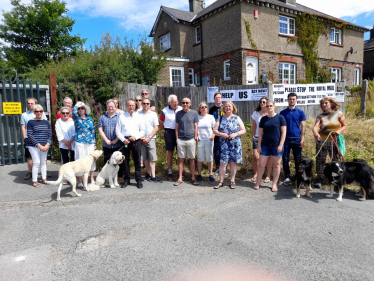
{"points": [[164, 77], [369, 65]]}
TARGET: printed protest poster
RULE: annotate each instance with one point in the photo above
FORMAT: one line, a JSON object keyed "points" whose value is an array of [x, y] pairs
{"points": [[211, 92], [339, 97]]}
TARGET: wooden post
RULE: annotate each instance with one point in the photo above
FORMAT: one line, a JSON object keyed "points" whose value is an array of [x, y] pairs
{"points": [[53, 94], [364, 95], [270, 90]]}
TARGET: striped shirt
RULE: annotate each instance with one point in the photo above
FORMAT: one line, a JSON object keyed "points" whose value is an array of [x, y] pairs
{"points": [[84, 128], [27, 116], [109, 128], [39, 132]]}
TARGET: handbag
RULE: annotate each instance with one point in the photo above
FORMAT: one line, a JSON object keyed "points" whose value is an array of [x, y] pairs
{"points": [[341, 144]]}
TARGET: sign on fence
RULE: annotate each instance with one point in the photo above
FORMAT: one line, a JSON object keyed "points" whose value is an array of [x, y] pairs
{"points": [[12, 108], [237, 95], [307, 94]]}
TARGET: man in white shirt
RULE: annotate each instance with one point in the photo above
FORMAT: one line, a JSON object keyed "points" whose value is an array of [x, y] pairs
{"points": [[149, 153], [130, 129]]}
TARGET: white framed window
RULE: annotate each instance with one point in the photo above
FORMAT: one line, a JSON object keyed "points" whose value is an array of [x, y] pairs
{"points": [[335, 36], [176, 76], [226, 70], [356, 81], [197, 34], [191, 76], [197, 79], [336, 74], [286, 25], [165, 42], [287, 73]]}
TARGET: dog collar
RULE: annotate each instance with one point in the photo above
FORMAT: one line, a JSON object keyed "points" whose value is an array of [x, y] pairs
{"points": [[112, 164], [94, 158]]}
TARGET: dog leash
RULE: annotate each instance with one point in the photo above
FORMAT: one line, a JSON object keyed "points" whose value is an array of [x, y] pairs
{"points": [[335, 140], [315, 156]]}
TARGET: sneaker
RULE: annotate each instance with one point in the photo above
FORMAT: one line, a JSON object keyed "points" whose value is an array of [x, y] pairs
{"points": [[318, 184], [147, 178], [28, 176], [217, 172], [211, 178], [227, 173], [155, 179], [287, 181], [199, 178]]}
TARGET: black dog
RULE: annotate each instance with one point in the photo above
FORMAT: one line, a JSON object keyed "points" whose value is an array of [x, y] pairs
{"points": [[357, 171], [304, 173]]}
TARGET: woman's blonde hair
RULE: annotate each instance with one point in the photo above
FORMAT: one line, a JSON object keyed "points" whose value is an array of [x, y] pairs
{"points": [[270, 101], [334, 105], [203, 102], [234, 109], [116, 103], [36, 107]]}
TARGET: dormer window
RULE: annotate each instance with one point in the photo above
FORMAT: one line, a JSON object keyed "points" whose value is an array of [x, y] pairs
{"points": [[286, 25], [165, 42], [335, 36], [197, 34]]}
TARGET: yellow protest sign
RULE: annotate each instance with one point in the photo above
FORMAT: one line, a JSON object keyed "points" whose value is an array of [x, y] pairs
{"points": [[12, 108]]}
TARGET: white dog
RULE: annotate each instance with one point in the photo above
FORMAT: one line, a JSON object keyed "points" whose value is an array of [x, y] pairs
{"points": [[109, 172], [80, 167]]}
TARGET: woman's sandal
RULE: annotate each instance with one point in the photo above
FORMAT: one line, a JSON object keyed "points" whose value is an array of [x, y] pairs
{"points": [[45, 182], [254, 179], [233, 185], [267, 180], [36, 184], [220, 184], [274, 189]]}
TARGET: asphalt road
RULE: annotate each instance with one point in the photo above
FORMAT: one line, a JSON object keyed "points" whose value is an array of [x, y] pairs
{"points": [[162, 232]]}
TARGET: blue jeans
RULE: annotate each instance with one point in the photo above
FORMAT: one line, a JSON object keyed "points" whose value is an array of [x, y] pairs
{"points": [[289, 144]]}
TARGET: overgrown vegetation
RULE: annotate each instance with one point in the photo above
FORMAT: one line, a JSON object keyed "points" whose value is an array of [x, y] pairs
{"points": [[249, 34]]}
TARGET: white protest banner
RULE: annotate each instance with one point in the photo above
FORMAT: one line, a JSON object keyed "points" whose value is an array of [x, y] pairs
{"points": [[238, 95], [211, 92], [339, 97]]}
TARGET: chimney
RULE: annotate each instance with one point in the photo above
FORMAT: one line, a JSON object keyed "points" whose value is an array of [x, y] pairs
{"points": [[196, 6], [372, 33], [293, 2]]}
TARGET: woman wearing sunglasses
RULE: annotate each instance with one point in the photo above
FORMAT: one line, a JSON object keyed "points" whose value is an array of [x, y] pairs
{"points": [[260, 112], [65, 132], [206, 140], [271, 137], [39, 136], [85, 136], [139, 104]]}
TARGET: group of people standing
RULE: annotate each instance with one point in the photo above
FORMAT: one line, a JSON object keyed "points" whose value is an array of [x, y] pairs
{"points": [[216, 133]]}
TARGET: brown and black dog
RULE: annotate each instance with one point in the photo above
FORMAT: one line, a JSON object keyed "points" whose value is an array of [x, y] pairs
{"points": [[304, 173]]}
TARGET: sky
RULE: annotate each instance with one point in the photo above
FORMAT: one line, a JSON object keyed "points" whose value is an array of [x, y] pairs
{"points": [[133, 18]]}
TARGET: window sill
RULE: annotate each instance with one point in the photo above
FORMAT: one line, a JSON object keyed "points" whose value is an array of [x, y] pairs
{"points": [[167, 50], [227, 78], [336, 45], [288, 36], [197, 44]]}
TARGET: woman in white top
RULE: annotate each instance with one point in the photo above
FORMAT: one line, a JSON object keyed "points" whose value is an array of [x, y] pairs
{"points": [[256, 118], [138, 104], [206, 140], [65, 132]]}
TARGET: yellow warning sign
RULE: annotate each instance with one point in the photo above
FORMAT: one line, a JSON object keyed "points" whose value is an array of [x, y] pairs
{"points": [[12, 108]]}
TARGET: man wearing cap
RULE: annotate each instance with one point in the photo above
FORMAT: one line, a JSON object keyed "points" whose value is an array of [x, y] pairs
{"points": [[130, 129], [167, 121]]}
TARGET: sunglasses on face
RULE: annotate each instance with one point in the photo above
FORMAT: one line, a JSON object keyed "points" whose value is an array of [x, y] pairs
{"points": [[263, 102], [144, 103], [184, 102], [82, 108], [269, 106], [203, 107], [143, 94], [37, 111], [138, 100], [65, 113]]}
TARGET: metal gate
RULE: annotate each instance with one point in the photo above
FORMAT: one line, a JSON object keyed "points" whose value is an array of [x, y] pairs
{"points": [[11, 139]]}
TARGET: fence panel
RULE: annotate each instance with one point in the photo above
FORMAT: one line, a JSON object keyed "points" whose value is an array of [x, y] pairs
{"points": [[11, 138]]}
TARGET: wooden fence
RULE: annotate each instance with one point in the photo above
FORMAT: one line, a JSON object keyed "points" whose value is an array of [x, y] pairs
{"points": [[199, 94]]}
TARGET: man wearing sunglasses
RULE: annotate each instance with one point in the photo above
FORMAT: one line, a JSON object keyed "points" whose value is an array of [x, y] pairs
{"points": [[130, 129], [145, 95], [25, 118], [186, 122], [149, 154], [295, 119]]}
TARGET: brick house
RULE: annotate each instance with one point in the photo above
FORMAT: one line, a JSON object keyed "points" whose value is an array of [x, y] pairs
{"points": [[368, 72], [210, 46]]}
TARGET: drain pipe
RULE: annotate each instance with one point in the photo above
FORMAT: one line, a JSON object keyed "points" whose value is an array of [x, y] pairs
{"points": [[202, 53]]}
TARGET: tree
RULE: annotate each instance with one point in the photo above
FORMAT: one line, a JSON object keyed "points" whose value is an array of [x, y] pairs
{"points": [[37, 33]]}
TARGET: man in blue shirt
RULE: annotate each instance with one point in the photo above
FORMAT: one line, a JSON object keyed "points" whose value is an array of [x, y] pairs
{"points": [[295, 119]]}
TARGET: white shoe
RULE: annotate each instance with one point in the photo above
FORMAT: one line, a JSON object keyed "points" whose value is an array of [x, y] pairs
{"points": [[93, 182], [227, 173], [217, 172]]}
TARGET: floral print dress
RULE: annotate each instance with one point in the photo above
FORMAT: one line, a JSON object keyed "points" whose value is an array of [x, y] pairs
{"points": [[231, 150]]}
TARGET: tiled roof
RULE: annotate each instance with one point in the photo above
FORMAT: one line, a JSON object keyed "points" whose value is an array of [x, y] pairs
{"points": [[369, 44], [189, 16]]}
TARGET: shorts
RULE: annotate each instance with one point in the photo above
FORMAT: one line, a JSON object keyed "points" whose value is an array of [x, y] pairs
{"points": [[148, 151], [186, 148], [170, 139], [27, 153], [83, 149], [254, 143], [205, 147], [270, 151]]}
